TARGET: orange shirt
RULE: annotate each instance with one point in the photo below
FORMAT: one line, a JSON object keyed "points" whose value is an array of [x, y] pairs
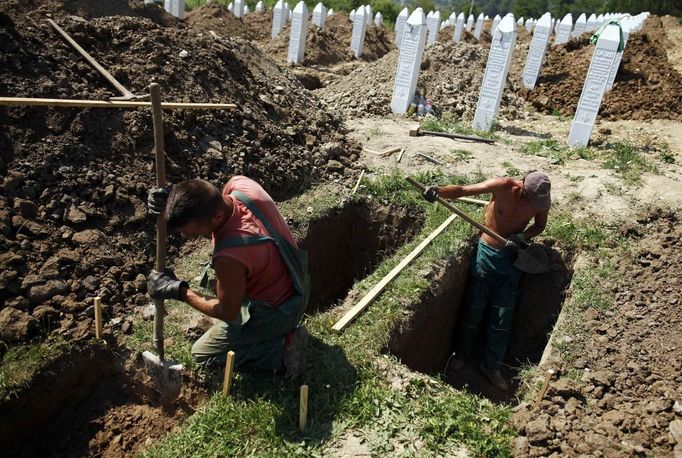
{"points": [[267, 277]]}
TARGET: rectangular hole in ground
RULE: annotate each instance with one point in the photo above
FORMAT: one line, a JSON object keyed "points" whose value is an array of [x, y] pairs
{"points": [[426, 338], [347, 244], [90, 403]]}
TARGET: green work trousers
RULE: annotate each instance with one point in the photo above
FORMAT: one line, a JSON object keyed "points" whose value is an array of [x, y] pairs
{"points": [[494, 285]]}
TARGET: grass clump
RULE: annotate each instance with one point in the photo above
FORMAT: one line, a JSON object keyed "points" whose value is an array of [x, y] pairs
{"points": [[555, 152], [448, 122], [627, 161]]}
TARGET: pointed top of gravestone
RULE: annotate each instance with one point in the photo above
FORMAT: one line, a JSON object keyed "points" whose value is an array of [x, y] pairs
{"points": [[568, 19], [429, 15], [301, 8], [486, 17], [507, 24], [436, 14], [378, 19], [452, 18], [404, 12], [471, 17], [497, 17], [545, 20], [318, 8], [581, 18], [460, 15], [417, 18], [360, 13], [520, 21]]}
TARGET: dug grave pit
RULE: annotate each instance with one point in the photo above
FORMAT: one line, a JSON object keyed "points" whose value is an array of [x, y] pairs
{"points": [[92, 402], [426, 339]]}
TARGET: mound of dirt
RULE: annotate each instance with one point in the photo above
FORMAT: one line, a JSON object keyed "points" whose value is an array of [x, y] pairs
{"points": [[217, 18], [22, 9], [73, 221], [451, 75], [647, 86], [621, 396], [260, 24], [332, 45]]}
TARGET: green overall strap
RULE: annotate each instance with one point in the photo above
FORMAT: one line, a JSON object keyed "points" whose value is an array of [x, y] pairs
{"points": [[231, 242]]}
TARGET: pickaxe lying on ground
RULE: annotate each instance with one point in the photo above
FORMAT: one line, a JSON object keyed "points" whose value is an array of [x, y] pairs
{"points": [[418, 132]]}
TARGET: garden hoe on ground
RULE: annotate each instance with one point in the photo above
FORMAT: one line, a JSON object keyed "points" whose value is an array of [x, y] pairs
{"points": [[167, 377], [532, 258]]}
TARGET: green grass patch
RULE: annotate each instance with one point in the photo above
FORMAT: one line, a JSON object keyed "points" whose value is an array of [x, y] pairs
{"points": [[628, 162], [22, 362], [461, 155], [555, 152], [448, 122], [511, 170]]}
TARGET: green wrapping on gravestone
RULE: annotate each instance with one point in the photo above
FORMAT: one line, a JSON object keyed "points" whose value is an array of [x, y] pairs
{"points": [[595, 37]]}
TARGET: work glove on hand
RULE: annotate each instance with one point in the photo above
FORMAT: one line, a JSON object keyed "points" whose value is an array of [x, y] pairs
{"points": [[156, 200], [164, 285], [520, 240], [431, 193]]}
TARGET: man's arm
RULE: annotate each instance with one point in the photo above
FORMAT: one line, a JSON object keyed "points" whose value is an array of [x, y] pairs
{"points": [[230, 289], [488, 186], [539, 225]]}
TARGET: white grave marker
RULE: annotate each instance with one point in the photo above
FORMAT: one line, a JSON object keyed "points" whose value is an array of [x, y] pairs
{"points": [[519, 23], [495, 77], [259, 6], [378, 19], [538, 48], [529, 25], [452, 20], [595, 85], [319, 15], [400, 26], [357, 40], [479, 26], [496, 21], [580, 26], [411, 50], [299, 30], [591, 22], [331, 12], [470, 23], [459, 26], [556, 28], [600, 21], [368, 15], [432, 23], [179, 9], [351, 15], [625, 27], [565, 27], [278, 18], [246, 9], [239, 8]]}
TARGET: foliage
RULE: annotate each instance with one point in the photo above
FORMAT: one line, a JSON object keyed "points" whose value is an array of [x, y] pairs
{"points": [[448, 122]]}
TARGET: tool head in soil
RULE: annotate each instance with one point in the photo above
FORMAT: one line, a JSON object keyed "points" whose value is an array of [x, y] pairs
{"points": [[167, 377]]}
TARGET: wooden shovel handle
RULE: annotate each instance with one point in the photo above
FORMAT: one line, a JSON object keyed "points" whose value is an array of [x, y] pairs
{"points": [[460, 213]]}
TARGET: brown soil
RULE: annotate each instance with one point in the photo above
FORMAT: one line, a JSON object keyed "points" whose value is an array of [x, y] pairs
{"points": [[647, 86], [73, 222], [451, 75], [260, 24], [617, 394], [215, 17]]}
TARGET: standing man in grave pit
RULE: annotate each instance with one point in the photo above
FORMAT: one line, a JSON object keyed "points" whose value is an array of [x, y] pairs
{"points": [[495, 278], [262, 282]]}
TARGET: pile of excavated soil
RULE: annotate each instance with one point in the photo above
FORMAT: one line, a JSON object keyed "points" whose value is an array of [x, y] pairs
{"points": [[216, 17], [260, 24], [622, 396], [332, 45], [36, 10], [73, 222], [647, 86], [451, 75]]}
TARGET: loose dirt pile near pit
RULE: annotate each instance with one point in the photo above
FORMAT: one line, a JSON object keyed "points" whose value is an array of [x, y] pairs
{"points": [[332, 45], [622, 395], [260, 24], [451, 75], [73, 222], [217, 18], [647, 86]]}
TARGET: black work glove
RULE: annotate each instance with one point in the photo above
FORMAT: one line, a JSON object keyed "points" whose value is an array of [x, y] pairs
{"points": [[431, 193], [156, 200], [164, 285], [519, 240]]}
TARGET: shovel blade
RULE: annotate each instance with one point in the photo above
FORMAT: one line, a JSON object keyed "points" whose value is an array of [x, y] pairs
{"points": [[167, 377], [533, 260]]}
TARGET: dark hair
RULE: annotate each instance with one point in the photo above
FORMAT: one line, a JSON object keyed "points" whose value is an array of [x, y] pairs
{"points": [[192, 200]]}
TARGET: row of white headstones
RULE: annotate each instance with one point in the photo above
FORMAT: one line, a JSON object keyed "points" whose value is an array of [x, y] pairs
{"points": [[612, 37]]}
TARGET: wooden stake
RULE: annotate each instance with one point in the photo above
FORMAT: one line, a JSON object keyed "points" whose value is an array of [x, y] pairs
{"points": [[389, 151], [303, 409], [355, 188], [22, 101], [98, 318], [374, 292], [429, 158], [542, 392], [400, 156], [229, 365]]}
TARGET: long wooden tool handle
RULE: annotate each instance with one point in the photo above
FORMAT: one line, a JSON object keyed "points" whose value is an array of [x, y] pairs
{"points": [[459, 212], [102, 71], [41, 102], [160, 157], [463, 137]]}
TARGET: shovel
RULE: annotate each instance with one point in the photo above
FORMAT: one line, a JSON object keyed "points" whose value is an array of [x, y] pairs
{"points": [[167, 377], [532, 259]]}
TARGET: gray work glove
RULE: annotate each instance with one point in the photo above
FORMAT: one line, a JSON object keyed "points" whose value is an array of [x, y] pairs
{"points": [[164, 285], [431, 193], [519, 240], [156, 200]]}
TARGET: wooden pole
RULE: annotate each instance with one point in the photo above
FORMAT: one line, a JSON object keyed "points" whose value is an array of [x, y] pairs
{"points": [[303, 409], [400, 156], [355, 188], [30, 101], [98, 318], [374, 292], [542, 392], [229, 365]]}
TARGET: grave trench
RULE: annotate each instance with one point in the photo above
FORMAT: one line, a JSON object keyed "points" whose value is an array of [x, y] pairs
{"points": [[96, 401], [425, 340]]}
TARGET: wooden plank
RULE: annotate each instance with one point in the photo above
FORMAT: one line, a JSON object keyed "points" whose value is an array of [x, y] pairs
{"points": [[374, 292], [29, 101]]}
